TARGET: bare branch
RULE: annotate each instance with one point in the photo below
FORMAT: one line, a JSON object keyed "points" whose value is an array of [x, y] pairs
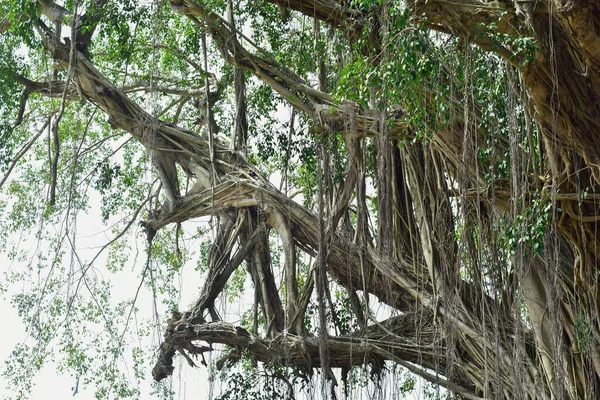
{"points": [[22, 152]]}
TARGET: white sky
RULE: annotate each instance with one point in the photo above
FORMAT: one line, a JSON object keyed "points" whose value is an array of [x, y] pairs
{"points": [[49, 384], [91, 235]]}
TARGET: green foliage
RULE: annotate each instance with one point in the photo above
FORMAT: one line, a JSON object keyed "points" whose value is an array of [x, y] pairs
{"points": [[244, 387], [259, 382], [530, 228], [11, 64], [78, 349], [584, 336], [105, 176], [523, 48], [18, 371], [413, 70], [21, 14], [434, 392], [346, 318], [235, 286]]}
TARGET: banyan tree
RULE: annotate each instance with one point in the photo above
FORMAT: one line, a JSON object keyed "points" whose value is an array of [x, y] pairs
{"points": [[396, 184]]}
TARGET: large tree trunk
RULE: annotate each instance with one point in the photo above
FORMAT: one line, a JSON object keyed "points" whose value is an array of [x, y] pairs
{"points": [[560, 77]]}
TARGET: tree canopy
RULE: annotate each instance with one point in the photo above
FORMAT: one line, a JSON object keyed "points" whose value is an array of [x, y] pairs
{"points": [[388, 185]]}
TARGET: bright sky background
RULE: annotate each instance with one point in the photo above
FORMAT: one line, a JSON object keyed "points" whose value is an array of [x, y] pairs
{"points": [[50, 385], [91, 235]]}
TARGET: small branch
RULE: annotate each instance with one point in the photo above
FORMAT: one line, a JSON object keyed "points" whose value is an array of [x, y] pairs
{"points": [[53, 11], [147, 87], [85, 268], [298, 321], [22, 106], [54, 165], [55, 138], [53, 88], [22, 152]]}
